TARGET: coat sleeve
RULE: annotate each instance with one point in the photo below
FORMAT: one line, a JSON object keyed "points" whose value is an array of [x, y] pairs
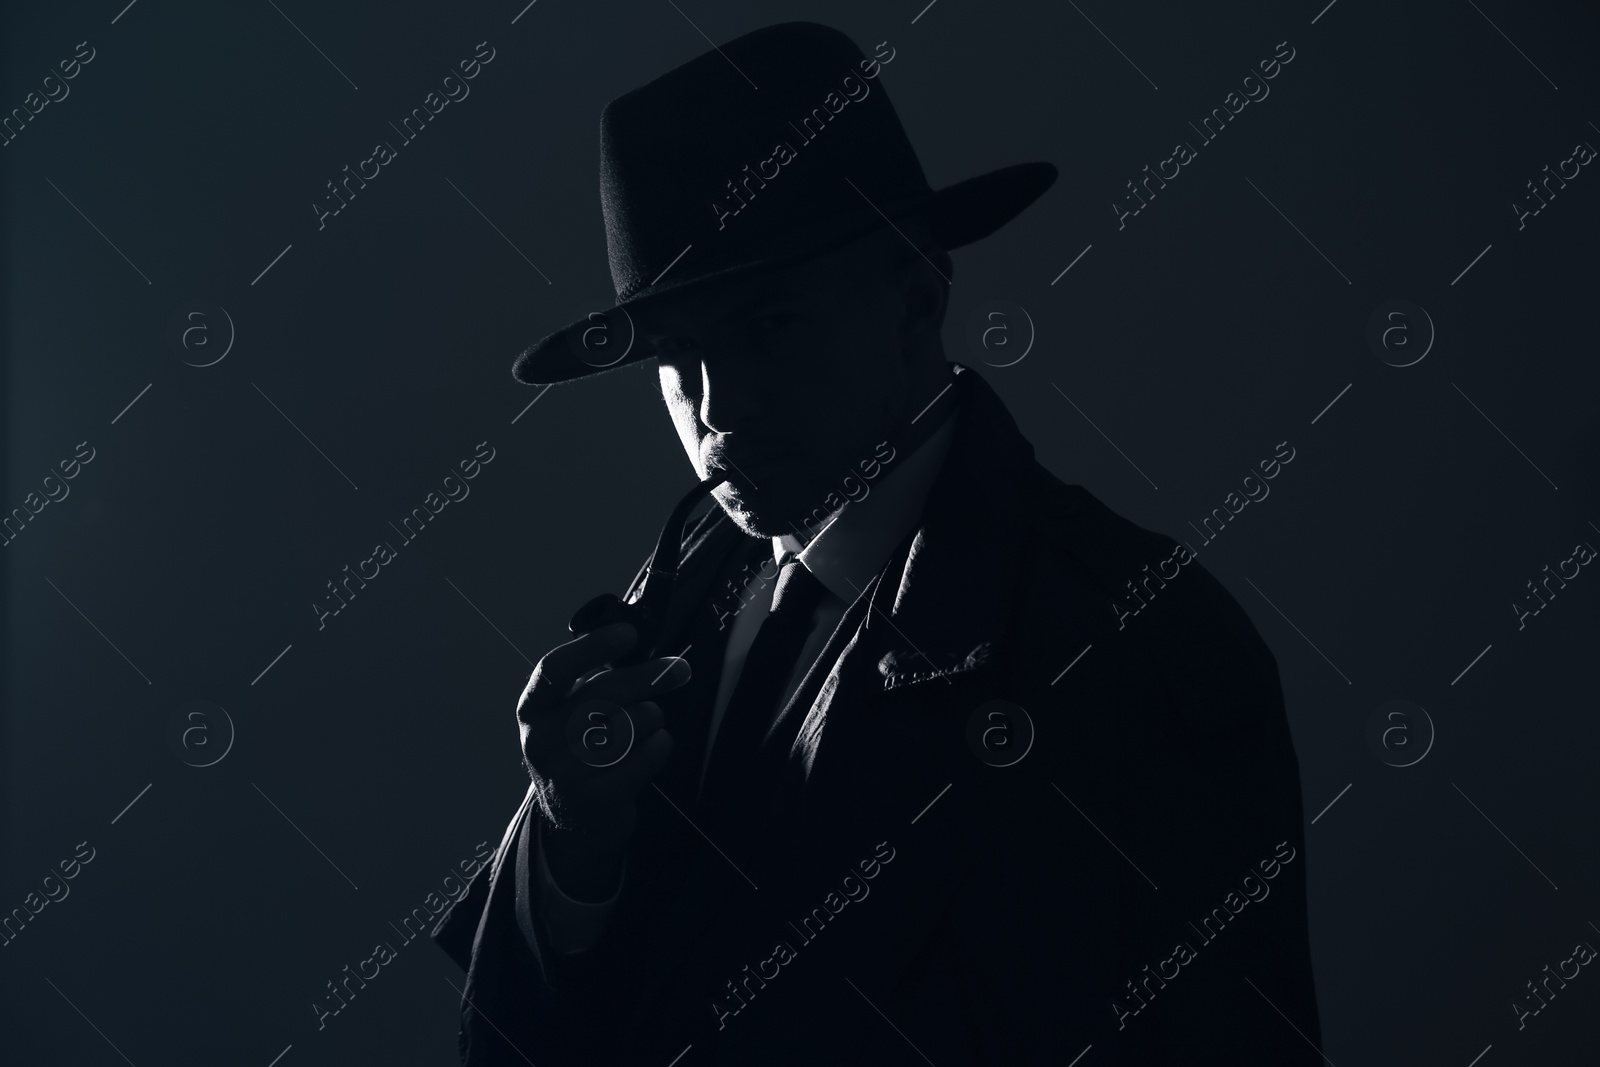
{"points": [[457, 928]]}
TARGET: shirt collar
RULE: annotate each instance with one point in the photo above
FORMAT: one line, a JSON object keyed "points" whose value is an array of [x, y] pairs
{"points": [[848, 552]]}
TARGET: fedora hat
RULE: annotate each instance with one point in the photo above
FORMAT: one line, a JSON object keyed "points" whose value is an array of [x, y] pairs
{"points": [[778, 146]]}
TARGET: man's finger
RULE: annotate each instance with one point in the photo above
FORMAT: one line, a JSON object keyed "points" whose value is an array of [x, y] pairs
{"points": [[552, 678], [558, 746], [647, 717], [628, 685]]}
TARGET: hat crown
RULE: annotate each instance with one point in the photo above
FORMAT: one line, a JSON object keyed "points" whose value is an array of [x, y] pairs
{"points": [[749, 148]]}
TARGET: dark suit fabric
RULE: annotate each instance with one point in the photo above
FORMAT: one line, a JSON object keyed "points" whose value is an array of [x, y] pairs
{"points": [[1012, 921]]}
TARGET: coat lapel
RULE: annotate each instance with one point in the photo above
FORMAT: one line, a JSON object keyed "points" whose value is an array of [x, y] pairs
{"points": [[956, 590], [715, 555]]}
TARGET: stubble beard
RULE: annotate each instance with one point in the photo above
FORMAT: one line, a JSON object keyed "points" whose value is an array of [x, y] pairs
{"points": [[761, 515]]}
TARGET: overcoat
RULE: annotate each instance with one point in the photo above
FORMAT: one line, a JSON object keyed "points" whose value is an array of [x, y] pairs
{"points": [[1019, 821]]}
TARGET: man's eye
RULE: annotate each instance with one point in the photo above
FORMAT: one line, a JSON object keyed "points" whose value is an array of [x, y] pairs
{"points": [[675, 346]]}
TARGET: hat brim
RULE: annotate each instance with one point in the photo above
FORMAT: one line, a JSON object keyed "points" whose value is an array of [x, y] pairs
{"points": [[957, 215]]}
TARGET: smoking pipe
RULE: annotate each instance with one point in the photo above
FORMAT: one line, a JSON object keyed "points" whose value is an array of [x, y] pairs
{"points": [[647, 614]]}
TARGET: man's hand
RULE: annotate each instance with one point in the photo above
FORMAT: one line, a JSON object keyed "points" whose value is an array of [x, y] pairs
{"points": [[591, 809]]}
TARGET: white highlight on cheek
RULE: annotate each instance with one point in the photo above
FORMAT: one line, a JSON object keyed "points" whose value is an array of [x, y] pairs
{"points": [[684, 414]]}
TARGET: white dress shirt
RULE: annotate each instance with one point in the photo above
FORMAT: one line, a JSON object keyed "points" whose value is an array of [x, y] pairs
{"points": [[844, 555]]}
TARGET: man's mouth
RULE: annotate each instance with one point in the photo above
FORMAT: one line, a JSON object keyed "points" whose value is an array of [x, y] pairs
{"points": [[748, 470]]}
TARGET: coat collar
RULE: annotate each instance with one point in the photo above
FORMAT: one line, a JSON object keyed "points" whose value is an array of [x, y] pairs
{"points": [[946, 598], [850, 550]]}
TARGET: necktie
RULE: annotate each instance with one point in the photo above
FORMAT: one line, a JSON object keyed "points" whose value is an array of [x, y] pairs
{"points": [[733, 776]]}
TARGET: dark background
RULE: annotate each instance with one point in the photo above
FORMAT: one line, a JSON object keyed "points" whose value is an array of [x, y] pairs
{"points": [[1196, 338]]}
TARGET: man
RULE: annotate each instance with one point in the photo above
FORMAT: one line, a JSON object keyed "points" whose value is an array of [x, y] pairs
{"points": [[912, 792]]}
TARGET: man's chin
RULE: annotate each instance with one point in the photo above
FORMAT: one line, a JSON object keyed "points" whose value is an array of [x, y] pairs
{"points": [[760, 513]]}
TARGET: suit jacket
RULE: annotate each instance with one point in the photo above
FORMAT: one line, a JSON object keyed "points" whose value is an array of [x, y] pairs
{"points": [[1015, 823]]}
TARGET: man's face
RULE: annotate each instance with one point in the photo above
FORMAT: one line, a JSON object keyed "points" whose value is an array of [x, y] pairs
{"points": [[786, 382]]}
